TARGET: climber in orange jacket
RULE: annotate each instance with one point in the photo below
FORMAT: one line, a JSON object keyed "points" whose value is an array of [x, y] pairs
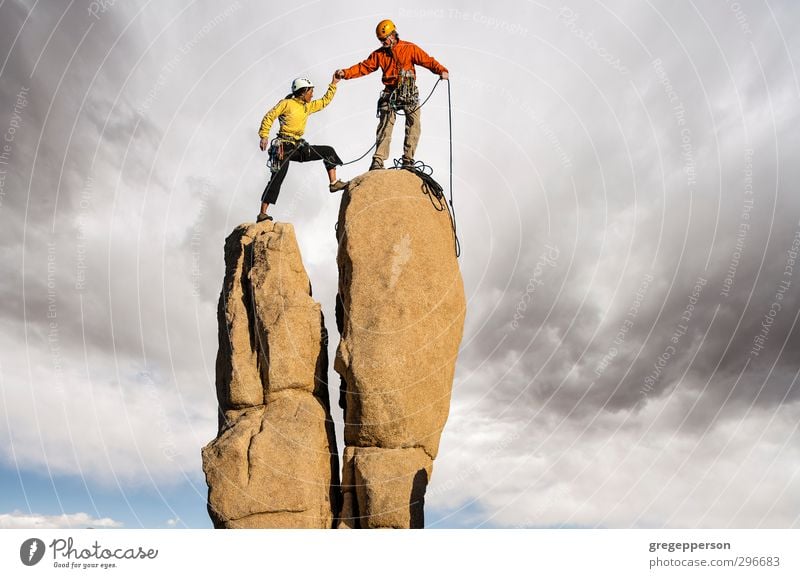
{"points": [[396, 59]]}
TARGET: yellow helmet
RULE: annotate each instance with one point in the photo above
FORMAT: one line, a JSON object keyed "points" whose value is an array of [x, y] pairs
{"points": [[384, 29]]}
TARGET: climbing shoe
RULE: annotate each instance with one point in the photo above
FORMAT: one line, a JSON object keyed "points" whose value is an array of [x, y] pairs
{"points": [[337, 186], [377, 164], [407, 163], [263, 217]]}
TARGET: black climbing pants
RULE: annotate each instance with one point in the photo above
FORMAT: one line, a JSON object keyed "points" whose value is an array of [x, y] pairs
{"points": [[300, 152]]}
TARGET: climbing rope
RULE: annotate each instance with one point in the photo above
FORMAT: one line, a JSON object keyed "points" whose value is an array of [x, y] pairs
{"points": [[432, 189], [401, 112], [362, 156], [452, 210]]}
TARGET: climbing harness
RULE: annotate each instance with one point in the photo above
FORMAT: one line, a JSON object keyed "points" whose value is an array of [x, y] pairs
{"points": [[405, 95], [275, 155], [401, 111], [277, 152]]}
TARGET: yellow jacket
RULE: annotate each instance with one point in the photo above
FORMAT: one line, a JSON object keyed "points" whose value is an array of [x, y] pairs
{"points": [[292, 114]]}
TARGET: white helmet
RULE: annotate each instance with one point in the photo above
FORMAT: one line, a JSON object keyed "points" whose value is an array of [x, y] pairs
{"points": [[300, 83]]}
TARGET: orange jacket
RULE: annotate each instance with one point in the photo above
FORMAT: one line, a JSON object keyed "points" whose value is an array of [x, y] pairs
{"points": [[406, 54]]}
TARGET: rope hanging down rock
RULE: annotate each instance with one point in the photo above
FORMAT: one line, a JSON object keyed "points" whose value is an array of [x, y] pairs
{"points": [[430, 187]]}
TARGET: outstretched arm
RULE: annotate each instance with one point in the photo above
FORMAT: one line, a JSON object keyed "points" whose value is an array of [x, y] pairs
{"points": [[320, 103], [367, 66]]}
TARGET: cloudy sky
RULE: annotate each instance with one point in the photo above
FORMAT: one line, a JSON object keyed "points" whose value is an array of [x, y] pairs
{"points": [[626, 183]]}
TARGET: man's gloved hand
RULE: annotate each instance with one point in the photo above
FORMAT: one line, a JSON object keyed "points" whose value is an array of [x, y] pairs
{"points": [[263, 144], [339, 73]]}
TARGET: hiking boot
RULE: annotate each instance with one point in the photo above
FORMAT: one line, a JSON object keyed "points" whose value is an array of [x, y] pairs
{"points": [[263, 217], [337, 186], [377, 164]]}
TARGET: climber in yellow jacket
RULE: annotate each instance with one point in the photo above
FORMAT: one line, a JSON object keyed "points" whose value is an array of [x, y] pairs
{"points": [[292, 112]]}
